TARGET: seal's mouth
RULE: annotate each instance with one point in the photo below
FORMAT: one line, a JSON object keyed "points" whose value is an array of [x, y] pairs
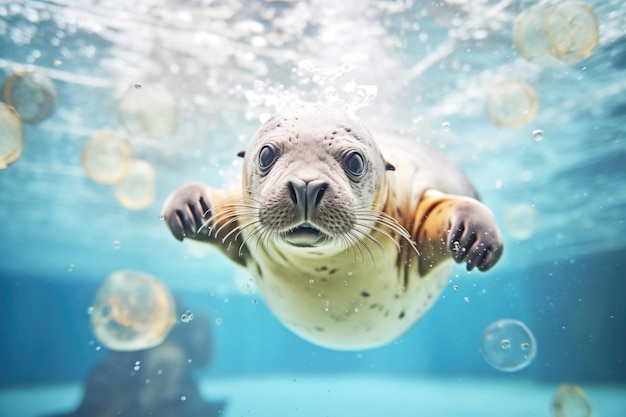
{"points": [[305, 235]]}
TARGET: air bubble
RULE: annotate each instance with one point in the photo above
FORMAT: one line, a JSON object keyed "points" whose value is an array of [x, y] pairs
{"points": [[11, 135], [70, 268], [502, 345], [32, 94], [137, 189], [138, 86], [132, 311], [152, 112], [537, 135], [107, 157], [445, 126], [571, 29], [511, 104]]}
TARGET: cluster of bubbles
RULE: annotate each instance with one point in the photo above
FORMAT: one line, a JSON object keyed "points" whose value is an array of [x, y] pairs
{"points": [[315, 84], [132, 311], [567, 31], [521, 221], [27, 96], [108, 159], [508, 345], [108, 156], [187, 316], [571, 401]]}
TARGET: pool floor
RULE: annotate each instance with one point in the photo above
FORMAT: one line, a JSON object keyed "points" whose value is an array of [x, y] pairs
{"points": [[346, 396]]}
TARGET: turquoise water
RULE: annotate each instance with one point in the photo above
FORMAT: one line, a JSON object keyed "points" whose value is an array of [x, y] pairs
{"points": [[421, 69]]}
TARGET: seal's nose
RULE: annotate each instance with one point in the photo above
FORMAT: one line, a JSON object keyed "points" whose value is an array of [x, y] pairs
{"points": [[306, 195]]}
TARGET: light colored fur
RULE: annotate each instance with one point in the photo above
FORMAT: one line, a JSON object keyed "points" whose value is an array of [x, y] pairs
{"points": [[366, 285]]}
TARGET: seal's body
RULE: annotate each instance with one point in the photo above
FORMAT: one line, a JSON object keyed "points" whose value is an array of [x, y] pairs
{"points": [[350, 243]]}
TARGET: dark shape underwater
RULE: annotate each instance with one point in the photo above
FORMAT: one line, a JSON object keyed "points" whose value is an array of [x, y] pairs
{"points": [[154, 382]]}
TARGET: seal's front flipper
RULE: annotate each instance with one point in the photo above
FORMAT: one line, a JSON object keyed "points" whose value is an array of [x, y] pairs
{"points": [[474, 237], [199, 212], [459, 227], [186, 210]]}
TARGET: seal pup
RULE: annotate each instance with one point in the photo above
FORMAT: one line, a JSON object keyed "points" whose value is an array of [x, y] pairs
{"points": [[349, 243]]}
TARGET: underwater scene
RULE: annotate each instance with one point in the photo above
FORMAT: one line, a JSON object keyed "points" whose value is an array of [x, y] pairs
{"points": [[313, 208]]}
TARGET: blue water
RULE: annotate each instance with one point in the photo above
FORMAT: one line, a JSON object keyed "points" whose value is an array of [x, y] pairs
{"points": [[228, 64]]}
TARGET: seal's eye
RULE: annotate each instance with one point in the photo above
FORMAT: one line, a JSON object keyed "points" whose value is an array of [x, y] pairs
{"points": [[267, 157], [354, 164]]}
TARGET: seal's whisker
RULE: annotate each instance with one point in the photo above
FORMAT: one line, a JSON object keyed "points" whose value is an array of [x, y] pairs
{"points": [[253, 233], [235, 209], [265, 235], [241, 228], [358, 241], [345, 243], [226, 224], [241, 202], [372, 238], [238, 229], [234, 212], [237, 218], [382, 232], [351, 241], [385, 219]]}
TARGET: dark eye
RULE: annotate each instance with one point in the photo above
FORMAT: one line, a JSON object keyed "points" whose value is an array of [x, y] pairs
{"points": [[267, 157], [354, 164]]}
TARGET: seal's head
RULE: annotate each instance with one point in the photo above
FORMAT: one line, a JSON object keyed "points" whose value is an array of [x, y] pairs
{"points": [[315, 177]]}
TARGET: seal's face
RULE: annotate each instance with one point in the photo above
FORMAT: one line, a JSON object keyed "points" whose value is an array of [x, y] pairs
{"points": [[313, 177]]}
